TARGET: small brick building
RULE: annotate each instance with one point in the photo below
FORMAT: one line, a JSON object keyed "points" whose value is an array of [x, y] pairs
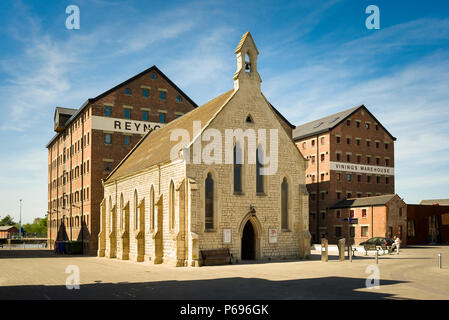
{"points": [[8, 232], [428, 222], [162, 205], [378, 216]]}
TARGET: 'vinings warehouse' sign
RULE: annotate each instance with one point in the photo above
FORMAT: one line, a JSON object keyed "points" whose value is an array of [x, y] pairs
{"points": [[124, 125], [361, 168]]}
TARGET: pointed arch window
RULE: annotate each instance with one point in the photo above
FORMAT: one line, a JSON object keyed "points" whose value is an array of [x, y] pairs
{"points": [[209, 223], [152, 207], [237, 169], [110, 214], [284, 204], [259, 176], [136, 211], [172, 205], [122, 212]]}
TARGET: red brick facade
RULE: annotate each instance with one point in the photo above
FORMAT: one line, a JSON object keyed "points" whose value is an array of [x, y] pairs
{"points": [[79, 157], [358, 139]]}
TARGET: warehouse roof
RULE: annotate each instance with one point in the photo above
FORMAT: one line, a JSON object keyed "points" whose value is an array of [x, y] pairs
{"points": [[328, 123], [93, 100], [5, 228], [155, 146], [363, 202], [441, 202]]}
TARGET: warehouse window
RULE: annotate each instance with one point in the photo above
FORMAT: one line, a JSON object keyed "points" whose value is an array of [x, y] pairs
{"points": [[209, 189], [107, 138], [127, 140], [338, 232], [107, 111], [145, 115], [178, 99], [364, 231], [127, 113], [145, 93], [162, 117], [153, 76], [128, 91], [162, 95], [363, 213]]}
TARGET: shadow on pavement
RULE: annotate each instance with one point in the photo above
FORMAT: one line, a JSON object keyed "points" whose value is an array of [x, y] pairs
{"points": [[222, 288], [33, 253]]}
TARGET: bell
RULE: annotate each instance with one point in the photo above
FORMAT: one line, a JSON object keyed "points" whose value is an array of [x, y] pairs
{"points": [[247, 65]]}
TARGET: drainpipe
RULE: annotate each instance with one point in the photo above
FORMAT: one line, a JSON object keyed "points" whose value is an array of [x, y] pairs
{"points": [[372, 222], [317, 190], [82, 183]]}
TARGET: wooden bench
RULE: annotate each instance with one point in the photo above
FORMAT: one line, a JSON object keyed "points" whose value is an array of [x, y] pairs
{"points": [[216, 256], [375, 247]]}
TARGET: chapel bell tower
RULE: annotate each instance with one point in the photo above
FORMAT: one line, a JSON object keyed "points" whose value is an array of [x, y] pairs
{"points": [[246, 74]]}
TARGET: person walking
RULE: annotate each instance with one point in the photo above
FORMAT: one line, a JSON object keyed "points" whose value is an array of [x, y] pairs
{"points": [[397, 243], [393, 245]]}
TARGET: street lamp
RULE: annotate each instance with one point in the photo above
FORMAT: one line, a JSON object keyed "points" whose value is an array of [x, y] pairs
{"points": [[20, 219]]}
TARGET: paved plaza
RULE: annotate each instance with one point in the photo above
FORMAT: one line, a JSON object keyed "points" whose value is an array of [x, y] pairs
{"points": [[39, 274]]}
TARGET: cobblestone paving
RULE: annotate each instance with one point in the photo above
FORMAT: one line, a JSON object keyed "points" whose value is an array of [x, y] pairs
{"points": [[413, 274]]}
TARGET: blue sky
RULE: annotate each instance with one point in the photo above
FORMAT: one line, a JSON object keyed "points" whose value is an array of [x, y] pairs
{"points": [[316, 58]]}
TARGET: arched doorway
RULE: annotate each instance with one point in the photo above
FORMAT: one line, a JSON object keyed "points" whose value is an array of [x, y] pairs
{"points": [[248, 242]]}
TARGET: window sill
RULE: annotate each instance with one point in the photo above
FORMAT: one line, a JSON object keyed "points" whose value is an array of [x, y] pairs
{"points": [[239, 193], [286, 230], [210, 230], [261, 194]]}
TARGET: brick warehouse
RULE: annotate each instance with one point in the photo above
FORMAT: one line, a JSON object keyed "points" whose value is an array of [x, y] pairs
{"points": [[92, 140], [165, 209], [378, 216], [351, 155]]}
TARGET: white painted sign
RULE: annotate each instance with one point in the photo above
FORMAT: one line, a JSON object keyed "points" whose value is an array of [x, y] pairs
{"points": [[227, 235], [123, 125], [272, 235], [362, 168]]}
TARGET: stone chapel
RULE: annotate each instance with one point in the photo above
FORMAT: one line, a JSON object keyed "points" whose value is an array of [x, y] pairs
{"points": [[224, 175]]}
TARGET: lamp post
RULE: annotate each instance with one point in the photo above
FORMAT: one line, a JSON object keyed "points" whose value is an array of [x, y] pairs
{"points": [[20, 219]]}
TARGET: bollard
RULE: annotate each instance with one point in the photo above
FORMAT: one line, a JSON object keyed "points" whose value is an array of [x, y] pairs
{"points": [[350, 253], [341, 249], [439, 261], [377, 256], [324, 250]]}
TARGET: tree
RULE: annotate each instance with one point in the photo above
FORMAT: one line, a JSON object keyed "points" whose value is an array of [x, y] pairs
{"points": [[7, 221], [38, 227]]}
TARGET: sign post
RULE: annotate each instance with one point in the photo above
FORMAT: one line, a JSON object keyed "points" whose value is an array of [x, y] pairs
{"points": [[350, 221]]}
